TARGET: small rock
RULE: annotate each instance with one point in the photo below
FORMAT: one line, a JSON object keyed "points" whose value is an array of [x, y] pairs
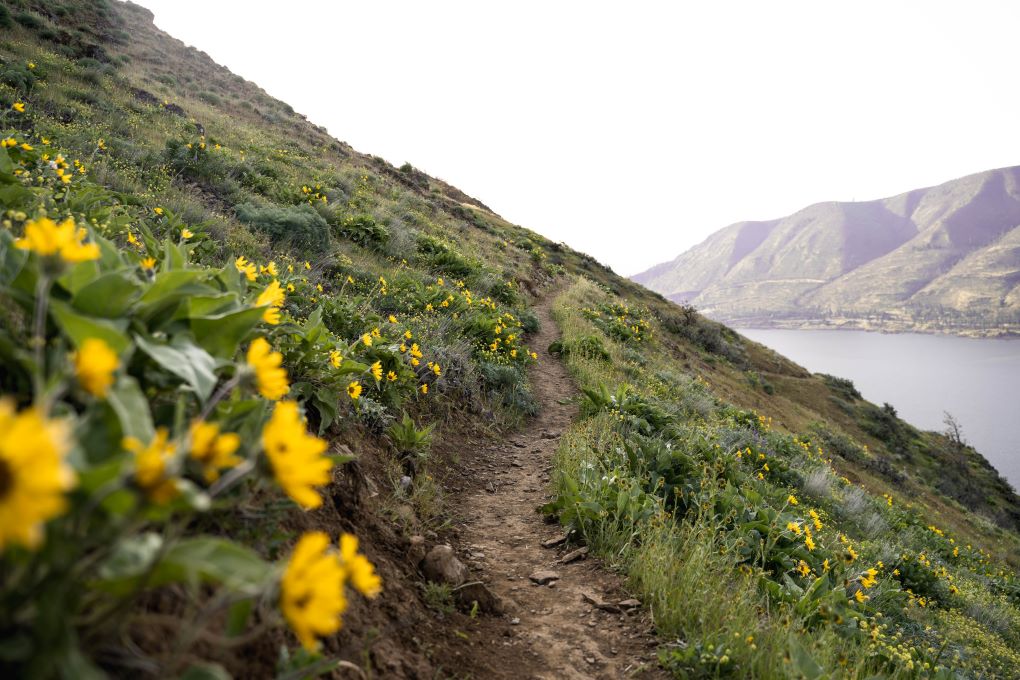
{"points": [[542, 577], [516, 464], [597, 602], [553, 542], [442, 566], [515, 621], [416, 550], [488, 601], [590, 659], [629, 604], [574, 555]]}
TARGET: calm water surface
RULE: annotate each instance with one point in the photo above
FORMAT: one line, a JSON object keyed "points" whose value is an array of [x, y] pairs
{"points": [[977, 380]]}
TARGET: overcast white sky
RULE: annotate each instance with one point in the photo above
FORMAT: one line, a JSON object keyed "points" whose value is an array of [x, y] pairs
{"points": [[633, 130]]}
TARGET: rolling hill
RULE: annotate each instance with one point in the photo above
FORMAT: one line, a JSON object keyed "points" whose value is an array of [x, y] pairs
{"points": [[944, 258]]}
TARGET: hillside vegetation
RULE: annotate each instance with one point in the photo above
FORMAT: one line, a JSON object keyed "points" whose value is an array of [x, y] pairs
{"points": [[942, 259], [231, 347]]}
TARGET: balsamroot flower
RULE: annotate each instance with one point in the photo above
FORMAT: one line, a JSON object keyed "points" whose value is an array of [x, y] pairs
{"points": [[94, 365], [33, 474], [272, 298], [270, 376], [297, 457], [213, 451], [245, 267], [359, 571], [151, 472], [354, 390], [312, 590], [46, 238], [377, 371]]}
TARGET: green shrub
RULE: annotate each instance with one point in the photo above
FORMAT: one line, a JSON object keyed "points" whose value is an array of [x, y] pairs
{"points": [[297, 225]]}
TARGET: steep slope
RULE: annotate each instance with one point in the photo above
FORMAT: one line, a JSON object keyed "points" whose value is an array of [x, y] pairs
{"points": [[936, 258], [229, 341]]}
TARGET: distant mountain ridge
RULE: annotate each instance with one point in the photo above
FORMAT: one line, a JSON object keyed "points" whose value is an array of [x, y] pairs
{"points": [[943, 258]]}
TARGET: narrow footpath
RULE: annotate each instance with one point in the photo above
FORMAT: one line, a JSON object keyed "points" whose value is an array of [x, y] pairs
{"points": [[575, 620]]}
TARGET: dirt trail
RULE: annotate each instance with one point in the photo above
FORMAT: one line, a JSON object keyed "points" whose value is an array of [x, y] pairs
{"points": [[550, 631]]}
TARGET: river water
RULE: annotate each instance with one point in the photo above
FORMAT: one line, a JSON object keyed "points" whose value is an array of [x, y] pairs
{"points": [[923, 376]]}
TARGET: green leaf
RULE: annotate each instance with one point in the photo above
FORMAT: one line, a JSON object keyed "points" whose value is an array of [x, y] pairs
{"points": [[221, 334], [79, 276], [186, 360], [108, 296], [206, 559], [205, 671], [79, 327], [132, 409], [167, 282], [238, 615], [131, 558], [6, 166]]}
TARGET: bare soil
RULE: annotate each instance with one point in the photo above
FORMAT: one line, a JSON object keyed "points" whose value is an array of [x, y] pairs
{"points": [[548, 631]]}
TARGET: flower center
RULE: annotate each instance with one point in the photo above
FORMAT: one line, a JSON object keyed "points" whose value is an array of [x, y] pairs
{"points": [[6, 478]]}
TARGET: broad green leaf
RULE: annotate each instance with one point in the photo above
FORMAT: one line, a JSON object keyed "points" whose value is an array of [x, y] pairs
{"points": [[206, 305], [6, 166], [79, 327], [11, 259], [166, 282], [132, 409], [79, 276], [173, 258], [206, 559], [108, 296], [186, 360], [221, 334]]}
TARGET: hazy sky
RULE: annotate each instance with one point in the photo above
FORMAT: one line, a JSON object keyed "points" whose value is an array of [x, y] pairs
{"points": [[633, 130]]}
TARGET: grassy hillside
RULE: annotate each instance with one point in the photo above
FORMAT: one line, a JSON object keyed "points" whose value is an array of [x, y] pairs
{"points": [[228, 341], [941, 259]]}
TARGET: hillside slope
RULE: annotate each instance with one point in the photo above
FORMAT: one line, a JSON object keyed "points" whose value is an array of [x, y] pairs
{"points": [[252, 379], [943, 258]]}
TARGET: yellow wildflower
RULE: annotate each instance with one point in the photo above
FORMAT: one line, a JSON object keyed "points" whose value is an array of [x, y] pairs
{"points": [[272, 298], [33, 473], [376, 333], [366, 340], [868, 578], [151, 472], [18, 106], [408, 335], [245, 267], [94, 366], [297, 457], [214, 451], [391, 376], [860, 596], [186, 233], [148, 264], [269, 269], [307, 265], [354, 390], [358, 569], [803, 569], [270, 377], [312, 590], [791, 499], [392, 319], [46, 238], [335, 358], [436, 369], [425, 389], [377, 371], [794, 527]]}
